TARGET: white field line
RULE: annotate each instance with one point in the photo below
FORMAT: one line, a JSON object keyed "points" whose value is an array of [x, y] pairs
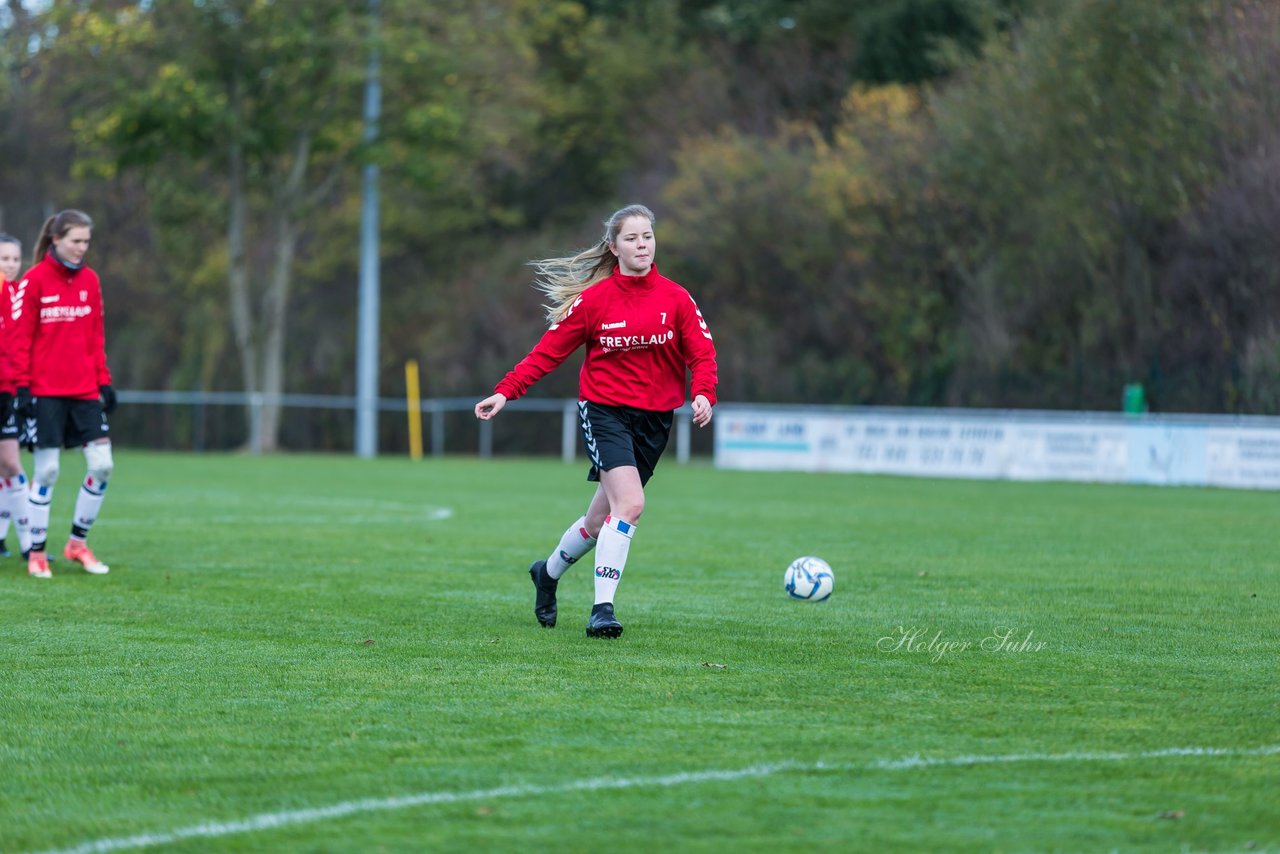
{"points": [[270, 821]]}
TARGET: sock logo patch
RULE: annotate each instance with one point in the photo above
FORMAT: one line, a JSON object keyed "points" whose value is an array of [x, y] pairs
{"points": [[567, 558], [608, 572]]}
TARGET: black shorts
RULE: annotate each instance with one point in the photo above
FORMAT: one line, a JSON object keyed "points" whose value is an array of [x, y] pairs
{"points": [[9, 429], [68, 423], [623, 436]]}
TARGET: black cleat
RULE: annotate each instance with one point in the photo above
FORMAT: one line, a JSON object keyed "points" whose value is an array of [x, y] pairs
{"points": [[602, 623], [544, 604], [4, 548]]}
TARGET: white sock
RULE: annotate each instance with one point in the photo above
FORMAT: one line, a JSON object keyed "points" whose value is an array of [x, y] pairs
{"points": [[6, 508], [88, 503], [38, 507], [575, 543], [14, 503], [611, 556]]}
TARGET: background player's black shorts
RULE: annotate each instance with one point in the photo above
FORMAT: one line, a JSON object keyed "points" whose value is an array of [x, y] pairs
{"points": [[623, 436], [69, 423], [9, 429]]}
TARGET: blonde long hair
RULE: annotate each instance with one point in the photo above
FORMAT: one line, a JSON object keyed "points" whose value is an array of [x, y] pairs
{"points": [[564, 279]]}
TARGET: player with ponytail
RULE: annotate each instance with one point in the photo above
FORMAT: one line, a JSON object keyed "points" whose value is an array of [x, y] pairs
{"points": [[643, 336], [59, 365]]}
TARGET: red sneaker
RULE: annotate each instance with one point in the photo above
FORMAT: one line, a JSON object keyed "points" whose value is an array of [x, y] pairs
{"points": [[78, 550], [38, 566]]}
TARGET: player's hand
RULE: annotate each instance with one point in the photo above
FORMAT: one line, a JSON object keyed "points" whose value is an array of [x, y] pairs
{"points": [[490, 406], [24, 404], [701, 410], [108, 395]]}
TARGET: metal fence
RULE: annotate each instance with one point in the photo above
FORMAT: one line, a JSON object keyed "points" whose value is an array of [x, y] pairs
{"points": [[437, 441]]}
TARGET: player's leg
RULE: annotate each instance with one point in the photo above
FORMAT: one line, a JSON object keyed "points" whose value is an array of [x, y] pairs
{"points": [[618, 502], [576, 542], [44, 434], [623, 485], [13, 488], [626, 503], [578, 539], [597, 510], [44, 475], [99, 465]]}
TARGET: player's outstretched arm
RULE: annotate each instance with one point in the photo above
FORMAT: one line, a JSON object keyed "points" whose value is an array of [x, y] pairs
{"points": [[490, 406]]}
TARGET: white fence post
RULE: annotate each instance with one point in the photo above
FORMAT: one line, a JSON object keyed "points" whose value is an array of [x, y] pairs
{"points": [[569, 431]]}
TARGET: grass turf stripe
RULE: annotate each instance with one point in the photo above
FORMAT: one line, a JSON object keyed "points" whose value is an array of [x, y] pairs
{"points": [[269, 821]]}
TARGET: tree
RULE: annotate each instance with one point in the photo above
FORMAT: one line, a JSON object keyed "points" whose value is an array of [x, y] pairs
{"points": [[252, 98], [30, 132], [1064, 157]]}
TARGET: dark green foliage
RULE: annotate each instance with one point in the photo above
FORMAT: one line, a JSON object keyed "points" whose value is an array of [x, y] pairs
{"points": [[899, 40], [1064, 197]]}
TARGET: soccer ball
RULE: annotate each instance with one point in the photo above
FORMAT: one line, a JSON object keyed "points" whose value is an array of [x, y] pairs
{"points": [[809, 579]]}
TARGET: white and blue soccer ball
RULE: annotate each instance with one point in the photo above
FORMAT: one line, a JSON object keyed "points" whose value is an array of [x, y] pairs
{"points": [[809, 579]]}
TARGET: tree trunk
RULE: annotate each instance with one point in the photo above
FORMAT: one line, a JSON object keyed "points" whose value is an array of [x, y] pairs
{"points": [[238, 282], [276, 299]]}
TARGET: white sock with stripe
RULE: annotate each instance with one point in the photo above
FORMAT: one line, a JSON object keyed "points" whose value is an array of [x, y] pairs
{"points": [[6, 510], [574, 544], [38, 500], [611, 556], [88, 505], [14, 502]]}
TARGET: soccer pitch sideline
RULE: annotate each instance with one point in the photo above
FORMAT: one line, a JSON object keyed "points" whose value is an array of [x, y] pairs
{"points": [[308, 653]]}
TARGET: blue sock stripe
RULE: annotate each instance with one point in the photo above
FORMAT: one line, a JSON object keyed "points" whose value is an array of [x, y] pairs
{"points": [[620, 525]]}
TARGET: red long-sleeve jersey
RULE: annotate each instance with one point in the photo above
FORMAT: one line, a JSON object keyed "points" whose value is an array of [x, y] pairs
{"points": [[56, 341], [6, 336], [642, 333]]}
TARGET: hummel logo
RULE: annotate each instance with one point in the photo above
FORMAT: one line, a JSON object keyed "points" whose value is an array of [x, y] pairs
{"points": [[619, 325]]}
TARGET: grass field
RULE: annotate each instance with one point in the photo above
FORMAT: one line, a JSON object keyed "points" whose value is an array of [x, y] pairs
{"points": [[304, 653]]}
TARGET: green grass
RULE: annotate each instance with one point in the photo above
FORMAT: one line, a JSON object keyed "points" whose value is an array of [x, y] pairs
{"points": [[291, 633]]}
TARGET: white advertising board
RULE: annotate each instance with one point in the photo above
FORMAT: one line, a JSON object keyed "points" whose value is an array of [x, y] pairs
{"points": [[1001, 445]]}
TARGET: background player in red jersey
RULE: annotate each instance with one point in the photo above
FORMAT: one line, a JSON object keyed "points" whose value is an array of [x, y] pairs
{"points": [[60, 368], [13, 480], [642, 333]]}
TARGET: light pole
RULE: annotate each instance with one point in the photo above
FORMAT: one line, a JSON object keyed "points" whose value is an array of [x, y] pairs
{"points": [[367, 335]]}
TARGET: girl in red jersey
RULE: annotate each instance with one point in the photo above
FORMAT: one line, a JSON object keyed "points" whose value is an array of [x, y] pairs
{"points": [[13, 480], [642, 333], [60, 368]]}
